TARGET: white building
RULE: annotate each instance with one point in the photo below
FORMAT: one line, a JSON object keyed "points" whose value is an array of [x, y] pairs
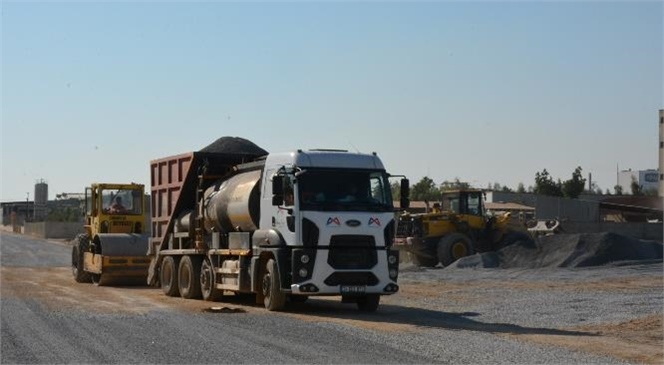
{"points": [[647, 179]]}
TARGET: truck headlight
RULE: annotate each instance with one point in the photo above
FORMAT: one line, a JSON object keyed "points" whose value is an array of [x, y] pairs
{"points": [[304, 259], [393, 273], [391, 259], [303, 272]]}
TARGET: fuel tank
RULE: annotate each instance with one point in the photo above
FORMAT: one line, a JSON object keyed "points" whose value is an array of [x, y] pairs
{"points": [[233, 205]]}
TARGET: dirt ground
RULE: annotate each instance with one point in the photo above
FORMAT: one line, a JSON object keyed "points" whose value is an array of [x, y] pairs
{"points": [[638, 340]]}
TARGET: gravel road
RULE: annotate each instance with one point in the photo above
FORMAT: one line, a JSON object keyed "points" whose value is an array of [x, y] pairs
{"points": [[486, 316]]}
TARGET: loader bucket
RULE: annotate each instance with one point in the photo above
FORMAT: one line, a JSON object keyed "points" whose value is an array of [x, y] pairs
{"points": [[123, 258]]}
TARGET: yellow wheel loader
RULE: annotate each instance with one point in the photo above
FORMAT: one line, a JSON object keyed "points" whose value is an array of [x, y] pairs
{"points": [[457, 228], [113, 249]]}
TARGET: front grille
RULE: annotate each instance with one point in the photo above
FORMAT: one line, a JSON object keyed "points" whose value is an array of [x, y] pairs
{"points": [[404, 227], [351, 278], [352, 252]]}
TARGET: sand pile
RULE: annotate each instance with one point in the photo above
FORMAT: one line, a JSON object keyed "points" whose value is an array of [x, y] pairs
{"points": [[234, 145], [566, 250]]}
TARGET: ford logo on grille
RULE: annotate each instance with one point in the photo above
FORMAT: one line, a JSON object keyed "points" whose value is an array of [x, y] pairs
{"points": [[353, 223]]}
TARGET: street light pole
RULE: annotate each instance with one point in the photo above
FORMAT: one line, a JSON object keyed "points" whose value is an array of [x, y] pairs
{"points": [[27, 207]]}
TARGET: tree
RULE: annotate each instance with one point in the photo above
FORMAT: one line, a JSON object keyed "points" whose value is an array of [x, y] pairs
{"points": [[520, 188], [636, 188], [545, 185], [506, 189], [396, 190], [573, 187], [454, 185], [608, 192], [425, 189], [618, 189]]}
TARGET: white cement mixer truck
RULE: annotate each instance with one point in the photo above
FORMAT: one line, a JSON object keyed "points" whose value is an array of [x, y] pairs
{"points": [[281, 226]]}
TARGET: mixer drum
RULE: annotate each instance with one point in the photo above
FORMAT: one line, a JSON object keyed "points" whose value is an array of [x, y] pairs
{"points": [[234, 204]]}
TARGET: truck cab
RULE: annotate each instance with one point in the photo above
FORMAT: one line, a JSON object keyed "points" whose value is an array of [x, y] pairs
{"points": [[335, 212]]}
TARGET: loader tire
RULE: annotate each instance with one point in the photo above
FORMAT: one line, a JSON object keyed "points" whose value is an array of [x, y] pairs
{"points": [[79, 245], [189, 277], [208, 282], [424, 254], [274, 298], [453, 247], [168, 276], [423, 261]]}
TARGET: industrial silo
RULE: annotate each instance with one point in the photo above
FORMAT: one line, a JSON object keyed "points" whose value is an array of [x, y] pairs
{"points": [[41, 198]]}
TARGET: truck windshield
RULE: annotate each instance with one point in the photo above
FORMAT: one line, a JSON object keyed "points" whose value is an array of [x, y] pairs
{"points": [[344, 190]]}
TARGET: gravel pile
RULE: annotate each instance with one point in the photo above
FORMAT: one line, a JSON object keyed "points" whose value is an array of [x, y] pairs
{"points": [[566, 250], [234, 145]]}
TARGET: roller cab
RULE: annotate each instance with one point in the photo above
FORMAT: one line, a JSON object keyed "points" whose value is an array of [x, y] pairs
{"points": [[114, 247]]}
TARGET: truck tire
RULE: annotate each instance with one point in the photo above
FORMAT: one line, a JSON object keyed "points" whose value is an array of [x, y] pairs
{"points": [[189, 274], [79, 245], [168, 276], [208, 282], [368, 303], [274, 298], [453, 247]]}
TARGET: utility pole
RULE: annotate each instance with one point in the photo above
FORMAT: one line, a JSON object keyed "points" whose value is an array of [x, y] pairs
{"points": [[27, 207]]}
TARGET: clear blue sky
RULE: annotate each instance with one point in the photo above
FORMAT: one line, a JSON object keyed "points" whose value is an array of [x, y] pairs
{"points": [[486, 92]]}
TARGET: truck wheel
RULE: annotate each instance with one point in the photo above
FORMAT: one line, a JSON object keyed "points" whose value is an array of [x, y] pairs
{"points": [[453, 247], [274, 298], [168, 276], [208, 282], [189, 274], [77, 271], [368, 303]]}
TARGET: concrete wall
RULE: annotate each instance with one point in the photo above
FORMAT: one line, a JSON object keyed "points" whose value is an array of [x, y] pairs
{"points": [[551, 207], [66, 230], [646, 231]]}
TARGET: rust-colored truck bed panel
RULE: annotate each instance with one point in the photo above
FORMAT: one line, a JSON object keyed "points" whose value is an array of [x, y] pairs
{"points": [[174, 181]]}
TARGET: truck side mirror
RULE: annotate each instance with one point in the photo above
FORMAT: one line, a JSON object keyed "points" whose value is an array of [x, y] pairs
{"points": [[277, 190], [405, 193]]}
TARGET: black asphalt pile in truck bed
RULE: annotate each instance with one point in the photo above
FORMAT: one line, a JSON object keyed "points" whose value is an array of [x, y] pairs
{"points": [[566, 250], [234, 145]]}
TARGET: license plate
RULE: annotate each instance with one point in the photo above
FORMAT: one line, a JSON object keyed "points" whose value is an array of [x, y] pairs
{"points": [[352, 289]]}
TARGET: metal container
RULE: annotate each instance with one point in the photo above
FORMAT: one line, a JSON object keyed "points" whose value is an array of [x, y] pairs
{"points": [[233, 204]]}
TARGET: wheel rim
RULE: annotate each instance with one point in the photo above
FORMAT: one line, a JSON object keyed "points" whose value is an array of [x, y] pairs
{"points": [[167, 274], [185, 279], [206, 279], [459, 250], [266, 285]]}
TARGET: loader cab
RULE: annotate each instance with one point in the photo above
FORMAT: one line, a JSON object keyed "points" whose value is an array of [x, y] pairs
{"points": [[464, 202]]}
